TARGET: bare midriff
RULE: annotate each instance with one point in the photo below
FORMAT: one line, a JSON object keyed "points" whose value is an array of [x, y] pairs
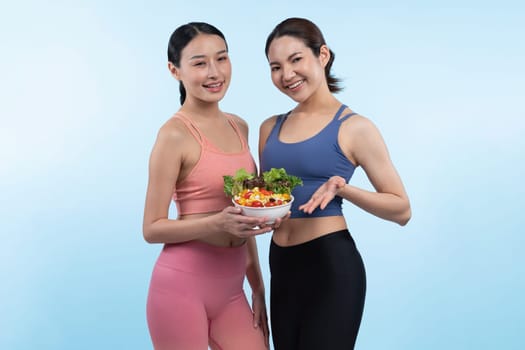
{"points": [[300, 230]]}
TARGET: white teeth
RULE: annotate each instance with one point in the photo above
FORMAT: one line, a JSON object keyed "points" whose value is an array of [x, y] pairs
{"points": [[213, 85], [293, 86]]}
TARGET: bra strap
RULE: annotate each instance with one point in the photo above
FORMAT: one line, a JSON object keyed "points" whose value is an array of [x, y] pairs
{"points": [[191, 127], [244, 143], [339, 111], [347, 116]]}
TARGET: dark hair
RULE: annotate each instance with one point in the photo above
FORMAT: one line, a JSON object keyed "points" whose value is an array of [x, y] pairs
{"points": [[182, 37], [312, 37]]}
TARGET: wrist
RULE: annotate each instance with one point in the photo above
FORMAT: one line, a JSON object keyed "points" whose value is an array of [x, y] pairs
{"points": [[340, 185], [258, 298]]}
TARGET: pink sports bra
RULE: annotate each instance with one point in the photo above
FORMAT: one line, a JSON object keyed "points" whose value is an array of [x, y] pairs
{"points": [[202, 191]]}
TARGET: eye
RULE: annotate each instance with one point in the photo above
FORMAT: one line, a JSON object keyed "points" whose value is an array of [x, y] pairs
{"points": [[199, 63], [223, 58], [296, 59], [274, 68]]}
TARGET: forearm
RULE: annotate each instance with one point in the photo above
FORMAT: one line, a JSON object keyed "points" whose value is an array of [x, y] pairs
{"points": [[253, 269], [387, 206], [176, 231]]}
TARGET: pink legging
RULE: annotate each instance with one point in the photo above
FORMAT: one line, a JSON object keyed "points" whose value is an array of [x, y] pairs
{"points": [[196, 299]]}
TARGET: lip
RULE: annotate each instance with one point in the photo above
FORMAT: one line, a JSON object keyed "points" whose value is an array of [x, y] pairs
{"points": [[296, 85], [214, 87]]}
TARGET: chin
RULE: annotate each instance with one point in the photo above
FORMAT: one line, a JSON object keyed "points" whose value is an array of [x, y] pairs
{"points": [[297, 99], [213, 98]]}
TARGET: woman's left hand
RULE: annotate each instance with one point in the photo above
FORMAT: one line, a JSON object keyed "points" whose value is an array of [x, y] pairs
{"points": [[324, 194], [260, 317]]}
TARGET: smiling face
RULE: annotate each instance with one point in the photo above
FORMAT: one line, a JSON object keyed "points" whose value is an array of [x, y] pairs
{"points": [[205, 68], [295, 69]]}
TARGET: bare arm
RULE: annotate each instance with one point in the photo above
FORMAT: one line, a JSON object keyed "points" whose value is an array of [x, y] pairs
{"points": [[255, 278], [390, 201], [253, 269], [364, 145]]}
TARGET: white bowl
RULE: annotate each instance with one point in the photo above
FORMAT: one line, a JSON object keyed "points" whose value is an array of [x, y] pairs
{"points": [[271, 213]]}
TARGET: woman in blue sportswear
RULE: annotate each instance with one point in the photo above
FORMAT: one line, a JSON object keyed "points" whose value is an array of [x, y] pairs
{"points": [[318, 281]]}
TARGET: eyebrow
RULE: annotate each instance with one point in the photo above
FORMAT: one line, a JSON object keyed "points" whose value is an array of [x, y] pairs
{"points": [[196, 57], [289, 57]]}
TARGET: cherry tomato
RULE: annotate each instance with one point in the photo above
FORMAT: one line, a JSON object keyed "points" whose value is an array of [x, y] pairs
{"points": [[256, 204], [266, 192]]}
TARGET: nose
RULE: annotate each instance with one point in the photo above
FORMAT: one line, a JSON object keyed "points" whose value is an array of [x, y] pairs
{"points": [[288, 72], [212, 70]]}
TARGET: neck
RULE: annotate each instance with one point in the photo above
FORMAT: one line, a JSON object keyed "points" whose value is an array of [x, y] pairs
{"points": [[317, 102], [200, 109]]}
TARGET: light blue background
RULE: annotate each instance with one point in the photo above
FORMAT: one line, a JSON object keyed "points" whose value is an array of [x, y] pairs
{"points": [[85, 87]]}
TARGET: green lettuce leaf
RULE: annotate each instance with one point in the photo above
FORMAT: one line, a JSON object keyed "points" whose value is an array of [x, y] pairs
{"points": [[234, 184], [276, 180]]}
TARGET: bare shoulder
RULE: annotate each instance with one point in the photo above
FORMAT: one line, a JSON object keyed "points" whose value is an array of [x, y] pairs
{"points": [[237, 118], [359, 128], [359, 137], [173, 131], [357, 124], [266, 128], [264, 131], [239, 121], [268, 123]]}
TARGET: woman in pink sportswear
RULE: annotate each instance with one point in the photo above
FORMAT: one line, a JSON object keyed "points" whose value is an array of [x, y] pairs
{"points": [[196, 296]]}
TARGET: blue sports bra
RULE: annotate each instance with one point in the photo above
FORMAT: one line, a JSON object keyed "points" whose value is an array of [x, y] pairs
{"points": [[314, 160]]}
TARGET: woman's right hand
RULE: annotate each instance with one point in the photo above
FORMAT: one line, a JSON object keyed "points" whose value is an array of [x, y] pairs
{"points": [[231, 220], [324, 194]]}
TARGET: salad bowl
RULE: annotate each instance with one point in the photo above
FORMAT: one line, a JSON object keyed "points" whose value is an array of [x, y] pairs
{"points": [[265, 195], [271, 213]]}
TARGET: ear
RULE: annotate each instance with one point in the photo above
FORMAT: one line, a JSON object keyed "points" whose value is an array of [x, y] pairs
{"points": [[324, 55], [174, 71]]}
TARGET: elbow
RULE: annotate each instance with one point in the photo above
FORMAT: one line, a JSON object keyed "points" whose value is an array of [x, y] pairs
{"points": [[147, 237], [148, 234], [405, 216]]}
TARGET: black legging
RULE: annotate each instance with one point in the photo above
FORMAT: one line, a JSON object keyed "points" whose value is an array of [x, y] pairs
{"points": [[317, 293]]}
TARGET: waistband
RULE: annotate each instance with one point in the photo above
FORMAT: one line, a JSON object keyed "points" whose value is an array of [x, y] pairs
{"points": [[329, 251], [326, 238], [204, 259]]}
